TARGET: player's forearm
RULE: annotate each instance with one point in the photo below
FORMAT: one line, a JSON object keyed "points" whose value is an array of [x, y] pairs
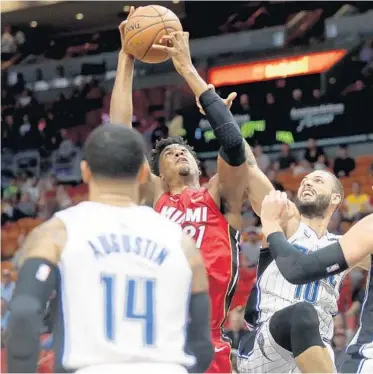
{"points": [[121, 98], [198, 341], [301, 268], [37, 280], [194, 81]]}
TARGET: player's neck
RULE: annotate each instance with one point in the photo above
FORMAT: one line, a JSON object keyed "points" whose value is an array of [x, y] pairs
{"points": [[117, 195], [317, 224], [179, 185]]}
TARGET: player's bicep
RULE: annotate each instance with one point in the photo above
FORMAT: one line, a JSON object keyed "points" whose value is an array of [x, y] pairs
{"points": [[194, 258]]}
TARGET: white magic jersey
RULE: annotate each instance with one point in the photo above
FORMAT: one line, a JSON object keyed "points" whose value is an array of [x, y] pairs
{"points": [[125, 285], [275, 293]]}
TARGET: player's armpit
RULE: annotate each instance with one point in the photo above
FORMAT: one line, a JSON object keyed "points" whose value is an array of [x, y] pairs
{"points": [[194, 258]]}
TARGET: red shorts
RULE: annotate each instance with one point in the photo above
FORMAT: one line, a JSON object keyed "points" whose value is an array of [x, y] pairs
{"points": [[221, 362]]}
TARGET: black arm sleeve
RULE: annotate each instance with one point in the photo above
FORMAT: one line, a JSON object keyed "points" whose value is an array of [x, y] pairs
{"points": [[299, 268], [198, 341], [225, 128], [36, 281]]}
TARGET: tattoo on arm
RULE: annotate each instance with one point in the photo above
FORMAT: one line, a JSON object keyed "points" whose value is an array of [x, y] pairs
{"points": [[250, 158], [45, 241]]}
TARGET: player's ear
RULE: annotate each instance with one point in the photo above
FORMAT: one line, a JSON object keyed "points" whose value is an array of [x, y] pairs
{"points": [[86, 171], [143, 175], [336, 199]]}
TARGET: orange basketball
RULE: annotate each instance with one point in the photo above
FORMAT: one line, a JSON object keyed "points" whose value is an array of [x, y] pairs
{"points": [[145, 27]]}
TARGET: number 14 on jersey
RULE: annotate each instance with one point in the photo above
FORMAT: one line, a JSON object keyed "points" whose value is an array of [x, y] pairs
{"points": [[133, 308]]}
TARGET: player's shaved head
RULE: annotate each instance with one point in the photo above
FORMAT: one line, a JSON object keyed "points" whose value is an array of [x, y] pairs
{"points": [[114, 152]]}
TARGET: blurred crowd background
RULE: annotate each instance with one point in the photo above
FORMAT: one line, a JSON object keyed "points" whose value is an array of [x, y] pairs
{"points": [[58, 64]]}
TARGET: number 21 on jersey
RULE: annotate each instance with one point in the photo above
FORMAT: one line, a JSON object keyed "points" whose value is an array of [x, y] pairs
{"points": [[133, 309], [196, 233]]}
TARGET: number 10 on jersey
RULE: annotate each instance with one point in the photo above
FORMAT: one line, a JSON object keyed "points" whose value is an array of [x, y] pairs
{"points": [[129, 297]]}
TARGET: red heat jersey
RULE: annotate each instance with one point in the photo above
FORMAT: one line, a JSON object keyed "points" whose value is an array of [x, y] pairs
{"points": [[197, 213]]}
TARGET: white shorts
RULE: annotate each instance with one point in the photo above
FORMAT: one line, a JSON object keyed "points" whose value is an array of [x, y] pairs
{"points": [[135, 368], [259, 353]]}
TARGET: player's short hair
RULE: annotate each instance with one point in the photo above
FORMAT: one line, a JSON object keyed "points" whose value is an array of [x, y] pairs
{"points": [[114, 151], [160, 145], [338, 186]]}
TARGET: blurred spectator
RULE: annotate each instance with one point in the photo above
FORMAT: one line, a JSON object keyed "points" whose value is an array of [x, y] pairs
{"points": [[8, 44], [26, 205], [343, 164], [297, 97], [160, 131], [31, 188], [60, 81], [270, 99], [303, 167], [11, 190], [261, 158], [20, 84], [25, 98], [40, 84], [244, 104], [356, 202], [321, 163], [9, 213], [7, 285], [312, 152], [236, 327], [316, 95], [286, 159]]}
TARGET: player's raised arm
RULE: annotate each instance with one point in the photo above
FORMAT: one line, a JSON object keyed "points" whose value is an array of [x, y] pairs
{"points": [[298, 267], [199, 329], [257, 184], [37, 279], [232, 165], [121, 97]]}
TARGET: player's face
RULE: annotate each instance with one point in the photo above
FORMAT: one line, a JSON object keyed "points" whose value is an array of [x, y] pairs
{"points": [[315, 194], [177, 160]]}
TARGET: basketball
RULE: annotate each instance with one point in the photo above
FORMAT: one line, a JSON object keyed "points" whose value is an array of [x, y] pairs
{"points": [[145, 27]]}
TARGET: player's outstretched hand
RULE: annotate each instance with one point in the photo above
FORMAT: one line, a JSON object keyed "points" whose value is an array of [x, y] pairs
{"points": [[274, 206], [228, 101], [176, 44], [122, 29]]}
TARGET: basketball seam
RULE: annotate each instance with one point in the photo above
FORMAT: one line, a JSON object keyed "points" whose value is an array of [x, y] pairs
{"points": [[151, 44], [154, 24], [164, 27]]}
